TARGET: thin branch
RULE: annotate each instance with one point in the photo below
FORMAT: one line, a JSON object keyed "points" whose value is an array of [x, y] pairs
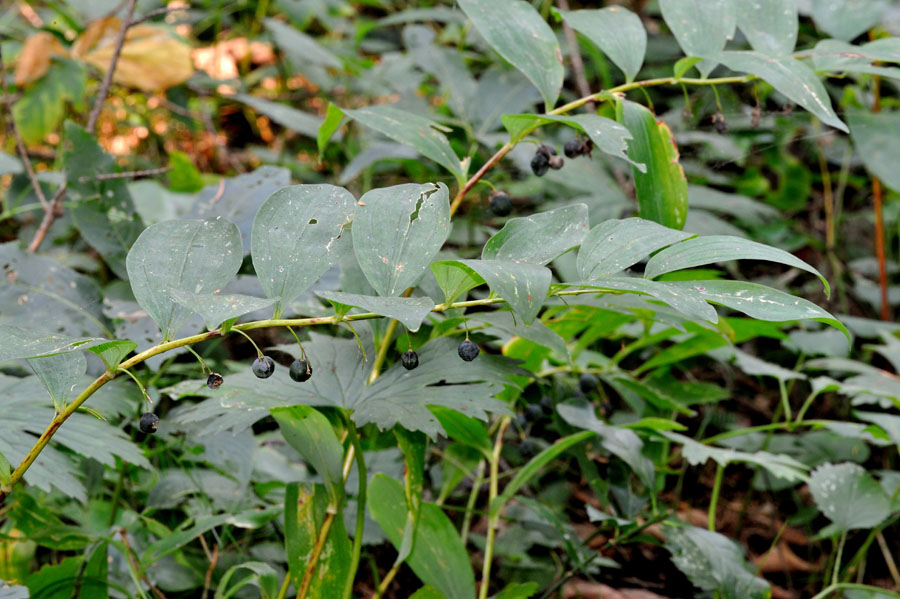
{"points": [[149, 172], [577, 64], [108, 77], [155, 13], [20, 143]]}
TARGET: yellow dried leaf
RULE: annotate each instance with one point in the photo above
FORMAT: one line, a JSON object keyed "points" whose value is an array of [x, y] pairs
{"points": [[152, 60], [34, 59], [93, 33]]}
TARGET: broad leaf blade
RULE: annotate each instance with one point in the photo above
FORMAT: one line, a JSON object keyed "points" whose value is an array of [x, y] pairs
{"points": [[540, 238], [769, 25], [849, 496], [617, 31], [298, 234], [410, 311], [518, 33], [662, 190], [876, 136], [197, 256], [397, 231], [790, 77], [847, 19], [614, 245], [721, 248], [701, 27], [216, 308], [60, 374], [523, 286], [439, 558]]}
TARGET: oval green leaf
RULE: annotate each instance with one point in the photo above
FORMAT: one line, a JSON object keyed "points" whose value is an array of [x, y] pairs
{"points": [[615, 30]]}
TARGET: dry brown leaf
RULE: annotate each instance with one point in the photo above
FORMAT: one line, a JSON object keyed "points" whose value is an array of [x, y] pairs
{"points": [[582, 589], [152, 60], [34, 59], [781, 558]]}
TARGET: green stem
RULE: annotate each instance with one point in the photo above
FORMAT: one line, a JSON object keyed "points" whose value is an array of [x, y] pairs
{"points": [[851, 586], [282, 593], [495, 517], [382, 350], [137, 382], [203, 368], [356, 550], [714, 500], [835, 577], [259, 353], [470, 505]]}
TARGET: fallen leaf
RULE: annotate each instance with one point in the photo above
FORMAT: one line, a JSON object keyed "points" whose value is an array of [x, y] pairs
{"points": [[781, 558], [152, 60], [34, 59]]}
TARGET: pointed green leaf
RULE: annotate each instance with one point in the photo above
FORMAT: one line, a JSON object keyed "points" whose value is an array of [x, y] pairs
{"points": [[417, 132], [333, 119], [454, 281], [523, 286], [876, 136], [296, 120], [710, 249], [197, 256], [397, 231], [17, 343], [790, 77], [769, 25], [113, 352], [615, 30], [701, 27], [608, 136], [849, 496], [683, 299], [298, 234], [539, 238], [518, 33], [847, 19], [614, 245], [410, 311], [661, 190], [216, 308], [439, 558]]}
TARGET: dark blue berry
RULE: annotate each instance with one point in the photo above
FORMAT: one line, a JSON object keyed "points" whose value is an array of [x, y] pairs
{"points": [[501, 205], [410, 360], [300, 370], [215, 380], [534, 412], [540, 164], [573, 148], [468, 350], [263, 367], [149, 422], [587, 382], [528, 449]]}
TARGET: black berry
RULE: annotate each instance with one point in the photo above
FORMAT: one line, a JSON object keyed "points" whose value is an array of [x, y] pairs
{"points": [[214, 380], [149, 422], [528, 449], [587, 382], [410, 360], [540, 164], [501, 205], [547, 403], [573, 148], [556, 162], [263, 367], [300, 370], [522, 421], [468, 350], [718, 121], [534, 412]]}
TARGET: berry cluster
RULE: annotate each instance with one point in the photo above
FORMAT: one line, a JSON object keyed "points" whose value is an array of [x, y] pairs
{"points": [[544, 159], [578, 147]]}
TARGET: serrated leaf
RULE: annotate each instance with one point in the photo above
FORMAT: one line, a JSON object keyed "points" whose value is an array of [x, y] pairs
{"points": [[615, 30], [661, 190], [397, 231], [621, 442], [298, 234], [769, 25], [614, 245], [523, 286], [310, 433], [410, 311], [761, 302], [790, 77], [540, 238], [876, 136], [439, 558], [411, 130], [713, 562], [847, 19], [296, 120], [518, 33], [196, 256], [113, 352], [701, 27], [849, 496], [779, 465], [608, 136], [711, 249], [238, 198], [216, 308], [104, 213]]}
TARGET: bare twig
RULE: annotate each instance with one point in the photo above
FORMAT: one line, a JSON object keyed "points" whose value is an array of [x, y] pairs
{"points": [[55, 208], [20, 144], [148, 172], [577, 64], [155, 13]]}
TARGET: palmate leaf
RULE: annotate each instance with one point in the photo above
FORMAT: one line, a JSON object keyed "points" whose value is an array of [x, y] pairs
{"points": [[398, 396], [26, 413]]}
